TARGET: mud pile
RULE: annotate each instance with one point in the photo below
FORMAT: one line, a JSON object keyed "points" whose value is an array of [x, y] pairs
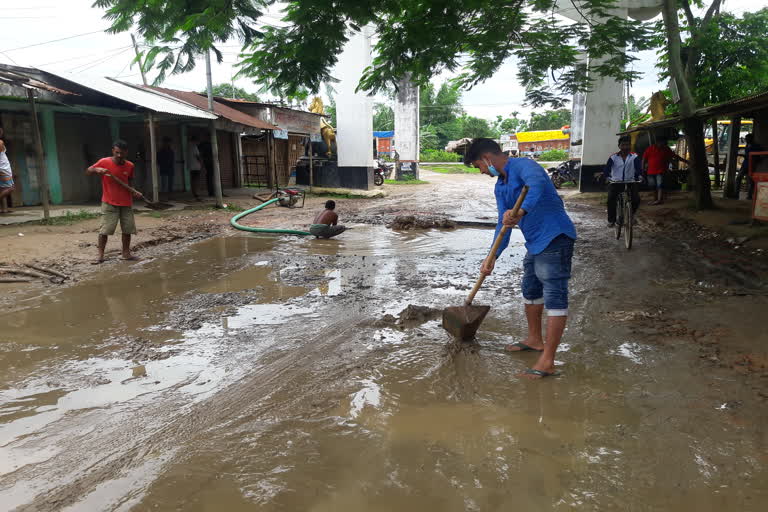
{"points": [[408, 222], [411, 316]]}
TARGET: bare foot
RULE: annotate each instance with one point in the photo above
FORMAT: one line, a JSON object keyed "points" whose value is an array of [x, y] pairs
{"points": [[129, 257], [525, 346], [97, 261]]}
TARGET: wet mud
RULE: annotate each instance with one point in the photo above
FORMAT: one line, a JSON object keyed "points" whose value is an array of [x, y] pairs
{"points": [[278, 373]]}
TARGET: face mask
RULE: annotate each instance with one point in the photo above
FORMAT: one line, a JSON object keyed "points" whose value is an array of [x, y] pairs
{"points": [[492, 169]]}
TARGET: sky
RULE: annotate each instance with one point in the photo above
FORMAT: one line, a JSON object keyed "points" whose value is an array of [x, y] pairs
{"points": [[23, 25]]}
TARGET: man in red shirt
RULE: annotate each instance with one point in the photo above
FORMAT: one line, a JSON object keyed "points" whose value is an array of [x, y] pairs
{"points": [[116, 200], [656, 160]]}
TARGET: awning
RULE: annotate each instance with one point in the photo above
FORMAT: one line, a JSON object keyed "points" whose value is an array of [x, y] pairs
{"points": [[133, 94], [384, 134]]}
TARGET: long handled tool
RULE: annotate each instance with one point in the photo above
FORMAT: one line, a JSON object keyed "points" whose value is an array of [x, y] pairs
{"points": [[150, 204], [463, 321]]}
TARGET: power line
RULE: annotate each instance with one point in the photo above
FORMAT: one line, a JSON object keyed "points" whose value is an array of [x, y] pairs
{"points": [[101, 53], [52, 41]]}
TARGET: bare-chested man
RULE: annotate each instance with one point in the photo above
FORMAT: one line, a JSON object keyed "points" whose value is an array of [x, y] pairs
{"points": [[325, 223]]}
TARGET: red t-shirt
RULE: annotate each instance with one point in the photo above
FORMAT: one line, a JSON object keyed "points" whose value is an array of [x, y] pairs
{"points": [[112, 192], [658, 158]]}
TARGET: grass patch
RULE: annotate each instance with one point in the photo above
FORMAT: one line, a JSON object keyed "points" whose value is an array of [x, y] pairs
{"points": [[405, 182], [230, 208], [453, 169], [70, 217]]}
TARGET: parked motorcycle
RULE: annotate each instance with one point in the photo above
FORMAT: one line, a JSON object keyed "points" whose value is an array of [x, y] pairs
{"points": [[563, 173], [382, 171]]}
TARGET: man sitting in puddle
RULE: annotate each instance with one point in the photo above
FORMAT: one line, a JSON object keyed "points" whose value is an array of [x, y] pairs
{"points": [[326, 222]]}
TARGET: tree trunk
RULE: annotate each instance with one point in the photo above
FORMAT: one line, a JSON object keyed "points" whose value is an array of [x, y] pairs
{"points": [[692, 126], [698, 166]]}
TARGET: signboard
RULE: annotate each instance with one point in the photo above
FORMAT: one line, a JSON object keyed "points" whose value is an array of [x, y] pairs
{"points": [[295, 120], [280, 134], [316, 137]]}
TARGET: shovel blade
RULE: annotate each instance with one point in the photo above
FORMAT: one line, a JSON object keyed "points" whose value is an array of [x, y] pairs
{"points": [[464, 321]]}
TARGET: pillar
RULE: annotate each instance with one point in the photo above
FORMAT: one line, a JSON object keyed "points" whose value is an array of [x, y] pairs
{"points": [[48, 129], [354, 114], [407, 126]]}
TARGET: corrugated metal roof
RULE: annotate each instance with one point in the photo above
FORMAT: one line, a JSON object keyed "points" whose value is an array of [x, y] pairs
{"points": [[23, 77], [220, 109], [133, 94]]}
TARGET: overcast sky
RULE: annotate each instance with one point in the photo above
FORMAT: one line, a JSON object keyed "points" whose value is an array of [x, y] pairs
{"points": [[35, 21]]}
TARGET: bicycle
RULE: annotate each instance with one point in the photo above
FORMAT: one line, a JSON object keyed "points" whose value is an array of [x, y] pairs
{"points": [[624, 213]]}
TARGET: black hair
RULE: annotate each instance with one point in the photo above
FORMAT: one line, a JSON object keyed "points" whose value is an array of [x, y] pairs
{"points": [[330, 205], [749, 137], [120, 144], [479, 147], [625, 138]]}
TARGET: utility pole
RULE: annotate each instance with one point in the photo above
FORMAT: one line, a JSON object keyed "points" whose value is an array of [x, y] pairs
{"points": [[152, 140], [42, 172], [214, 139]]}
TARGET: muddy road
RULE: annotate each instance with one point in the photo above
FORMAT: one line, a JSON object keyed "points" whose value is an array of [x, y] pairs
{"points": [[278, 373]]}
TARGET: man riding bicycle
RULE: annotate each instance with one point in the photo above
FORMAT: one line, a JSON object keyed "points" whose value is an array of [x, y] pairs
{"points": [[622, 167]]}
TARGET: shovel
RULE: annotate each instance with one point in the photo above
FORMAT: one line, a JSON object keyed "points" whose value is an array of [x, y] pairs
{"points": [[150, 204], [463, 321]]}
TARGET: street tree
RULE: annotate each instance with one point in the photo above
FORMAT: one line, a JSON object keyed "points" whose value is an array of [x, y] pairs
{"points": [[383, 117], [511, 124], [473, 127], [230, 91], [550, 119]]}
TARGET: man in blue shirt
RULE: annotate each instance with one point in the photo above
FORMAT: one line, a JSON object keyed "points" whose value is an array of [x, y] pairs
{"points": [[549, 237]]}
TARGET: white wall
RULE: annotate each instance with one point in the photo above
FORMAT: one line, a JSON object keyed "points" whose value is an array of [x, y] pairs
{"points": [[407, 120], [354, 111]]}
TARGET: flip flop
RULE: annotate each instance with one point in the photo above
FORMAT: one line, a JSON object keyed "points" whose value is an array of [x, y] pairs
{"points": [[523, 348], [541, 373], [132, 258], [97, 262]]}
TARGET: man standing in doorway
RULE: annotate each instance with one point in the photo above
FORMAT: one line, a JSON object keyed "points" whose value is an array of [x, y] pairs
{"points": [[166, 161], [116, 200], [549, 238]]}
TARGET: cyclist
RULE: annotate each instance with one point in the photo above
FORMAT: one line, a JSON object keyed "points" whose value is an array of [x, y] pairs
{"points": [[622, 166]]}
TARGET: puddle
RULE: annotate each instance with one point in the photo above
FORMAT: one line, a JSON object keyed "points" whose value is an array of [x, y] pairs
{"points": [[288, 395]]}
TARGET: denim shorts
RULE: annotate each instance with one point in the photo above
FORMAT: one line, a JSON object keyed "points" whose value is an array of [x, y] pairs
{"points": [[546, 275], [655, 180]]}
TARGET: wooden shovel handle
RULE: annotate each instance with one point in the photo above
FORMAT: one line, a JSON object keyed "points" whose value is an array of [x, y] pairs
{"points": [[124, 184], [497, 243]]}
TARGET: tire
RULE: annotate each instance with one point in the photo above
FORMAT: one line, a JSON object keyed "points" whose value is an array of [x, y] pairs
{"points": [[619, 216], [628, 229], [378, 179]]}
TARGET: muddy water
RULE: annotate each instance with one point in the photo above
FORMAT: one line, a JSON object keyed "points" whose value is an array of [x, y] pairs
{"points": [[289, 398]]}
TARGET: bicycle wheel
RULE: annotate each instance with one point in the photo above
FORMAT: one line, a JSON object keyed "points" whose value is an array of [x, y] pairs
{"points": [[619, 215], [628, 228]]}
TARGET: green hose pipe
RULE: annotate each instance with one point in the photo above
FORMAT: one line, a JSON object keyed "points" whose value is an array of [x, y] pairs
{"points": [[239, 216]]}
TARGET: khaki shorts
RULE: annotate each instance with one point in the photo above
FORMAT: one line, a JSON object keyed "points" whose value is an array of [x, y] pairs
{"points": [[110, 214]]}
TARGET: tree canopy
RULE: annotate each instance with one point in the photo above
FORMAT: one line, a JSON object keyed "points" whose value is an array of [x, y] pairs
{"points": [[416, 37], [383, 117], [549, 119]]}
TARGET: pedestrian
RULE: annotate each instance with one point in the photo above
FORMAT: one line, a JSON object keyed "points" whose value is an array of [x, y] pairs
{"points": [[166, 161], [116, 200], [195, 165], [621, 167], [6, 176], [656, 160], [326, 222], [549, 239], [751, 147]]}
